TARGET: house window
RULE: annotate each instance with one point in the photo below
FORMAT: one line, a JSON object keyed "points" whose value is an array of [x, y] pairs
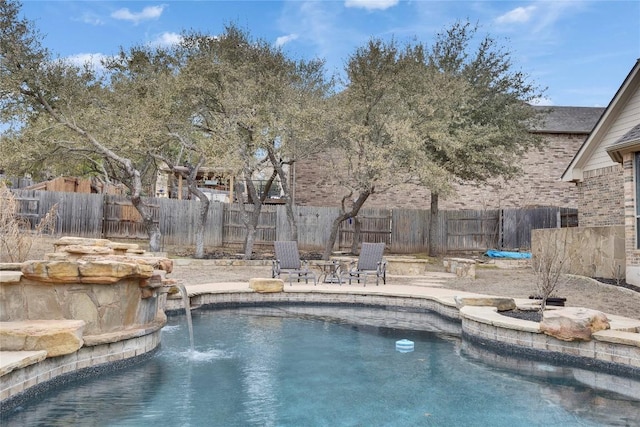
{"points": [[637, 183]]}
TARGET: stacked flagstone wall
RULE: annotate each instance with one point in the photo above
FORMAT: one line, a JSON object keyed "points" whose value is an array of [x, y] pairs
{"points": [[91, 302]]}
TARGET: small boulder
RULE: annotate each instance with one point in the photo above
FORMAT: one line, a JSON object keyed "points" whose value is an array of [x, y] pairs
{"points": [[573, 323], [502, 304], [462, 267]]}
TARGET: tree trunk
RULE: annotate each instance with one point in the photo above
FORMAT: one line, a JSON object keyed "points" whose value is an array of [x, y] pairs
{"points": [[433, 225], [357, 228], [291, 218], [250, 219], [355, 208], [202, 221], [191, 176], [333, 235], [152, 228], [204, 209], [251, 225]]}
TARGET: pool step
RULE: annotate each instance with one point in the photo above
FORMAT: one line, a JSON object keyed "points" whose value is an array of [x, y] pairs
{"points": [[55, 337]]}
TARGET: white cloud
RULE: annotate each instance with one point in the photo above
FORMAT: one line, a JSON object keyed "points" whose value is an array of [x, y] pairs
{"points": [[167, 39], [371, 4], [148, 13], [93, 59], [282, 40], [517, 15], [542, 17], [91, 19]]}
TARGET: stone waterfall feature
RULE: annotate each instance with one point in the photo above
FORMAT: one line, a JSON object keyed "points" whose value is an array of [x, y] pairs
{"points": [[88, 298]]}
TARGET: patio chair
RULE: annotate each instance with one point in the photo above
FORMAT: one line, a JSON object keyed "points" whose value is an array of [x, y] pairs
{"points": [[288, 262], [369, 262]]}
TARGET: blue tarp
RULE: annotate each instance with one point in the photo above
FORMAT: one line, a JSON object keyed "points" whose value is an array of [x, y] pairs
{"points": [[509, 255]]}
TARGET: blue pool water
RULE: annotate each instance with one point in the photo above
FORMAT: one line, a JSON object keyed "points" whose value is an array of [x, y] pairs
{"points": [[294, 367]]}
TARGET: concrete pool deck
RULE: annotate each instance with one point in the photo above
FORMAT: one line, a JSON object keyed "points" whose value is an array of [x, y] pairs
{"points": [[615, 350]]}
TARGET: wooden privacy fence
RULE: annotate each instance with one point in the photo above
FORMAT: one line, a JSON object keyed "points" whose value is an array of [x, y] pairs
{"points": [[403, 230]]}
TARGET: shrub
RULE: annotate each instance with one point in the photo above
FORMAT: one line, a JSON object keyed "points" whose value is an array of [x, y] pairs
{"points": [[16, 235], [550, 264]]}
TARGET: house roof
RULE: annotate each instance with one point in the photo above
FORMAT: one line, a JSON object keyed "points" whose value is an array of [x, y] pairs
{"points": [[631, 83], [568, 119], [627, 142]]}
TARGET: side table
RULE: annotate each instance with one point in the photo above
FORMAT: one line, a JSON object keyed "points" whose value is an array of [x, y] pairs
{"points": [[330, 272]]}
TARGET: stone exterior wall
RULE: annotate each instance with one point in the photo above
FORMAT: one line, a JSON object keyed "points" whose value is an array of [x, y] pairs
{"points": [[601, 197], [539, 184], [105, 308], [592, 251]]}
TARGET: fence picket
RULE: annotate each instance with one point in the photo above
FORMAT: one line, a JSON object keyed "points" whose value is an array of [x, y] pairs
{"points": [[403, 230]]}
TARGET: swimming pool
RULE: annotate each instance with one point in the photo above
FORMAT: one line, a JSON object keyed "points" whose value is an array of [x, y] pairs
{"points": [[325, 366]]}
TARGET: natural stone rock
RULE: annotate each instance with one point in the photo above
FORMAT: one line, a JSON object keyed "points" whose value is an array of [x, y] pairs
{"points": [[121, 248], [10, 276], [92, 270], [39, 302], [164, 264], [266, 285], [135, 251], [81, 306], [62, 271], [502, 304], [62, 242], [10, 266], [78, 251], [12, 360], [107, 271], [35, 270], [462, 267], [573, 323], [405, 266], [56, 256], [56, 337], [156, 263]]}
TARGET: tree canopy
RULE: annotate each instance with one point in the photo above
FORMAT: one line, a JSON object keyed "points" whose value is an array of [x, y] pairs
{"points": [[455, 110], [429, 115]]}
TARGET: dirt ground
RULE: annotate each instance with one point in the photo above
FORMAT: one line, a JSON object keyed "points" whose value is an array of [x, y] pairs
{"points": [[516, 283]]}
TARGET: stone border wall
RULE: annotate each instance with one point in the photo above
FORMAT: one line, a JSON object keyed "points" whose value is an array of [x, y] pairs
{"points": [[592, 251], [21, 384], [294, 297], [482, 325]]}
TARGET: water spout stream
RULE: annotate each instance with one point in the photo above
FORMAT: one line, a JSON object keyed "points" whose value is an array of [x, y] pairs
{"points": [[187, 308]]}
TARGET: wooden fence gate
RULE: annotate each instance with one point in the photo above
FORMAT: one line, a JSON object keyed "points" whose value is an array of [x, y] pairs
{"points": [[374, 224], [516, 224], [121, 219]]}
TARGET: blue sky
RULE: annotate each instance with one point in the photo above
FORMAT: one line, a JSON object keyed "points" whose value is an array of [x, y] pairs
{"points": [[580, 50]]}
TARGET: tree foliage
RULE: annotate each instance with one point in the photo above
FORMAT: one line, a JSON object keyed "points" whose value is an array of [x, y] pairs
{"points": [[78, 114], [431, 116], [408, 113], [260, 102]]}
